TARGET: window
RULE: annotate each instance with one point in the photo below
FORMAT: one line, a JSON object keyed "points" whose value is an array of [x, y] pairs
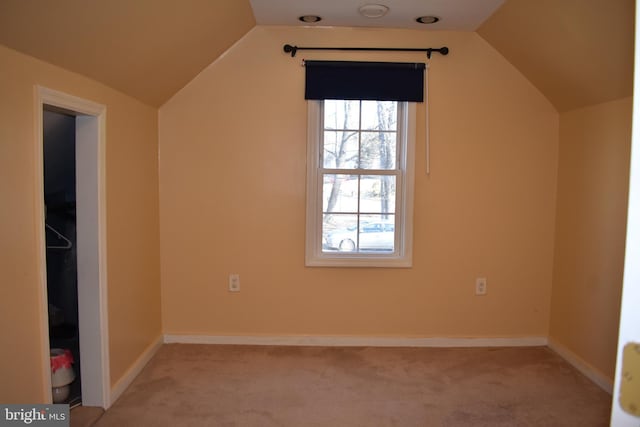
{"points": [[360, 183]]}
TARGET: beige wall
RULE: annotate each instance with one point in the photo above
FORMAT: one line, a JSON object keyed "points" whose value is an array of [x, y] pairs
{"points": [[590, 231], [232, 199], [132, 224]]}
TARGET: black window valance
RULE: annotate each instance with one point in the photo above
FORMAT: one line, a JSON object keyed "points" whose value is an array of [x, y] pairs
{"points": [[381, 81]]}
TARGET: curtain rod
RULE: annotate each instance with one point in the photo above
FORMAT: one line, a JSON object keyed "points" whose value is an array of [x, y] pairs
{"points": [[429, 50]]}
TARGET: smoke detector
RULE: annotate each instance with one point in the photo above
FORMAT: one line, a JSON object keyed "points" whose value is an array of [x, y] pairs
{"points": [[373, 10]]}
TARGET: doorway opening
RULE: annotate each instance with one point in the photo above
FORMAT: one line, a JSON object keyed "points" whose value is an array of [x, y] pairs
{"points": [[59, 139], [73, 247]]}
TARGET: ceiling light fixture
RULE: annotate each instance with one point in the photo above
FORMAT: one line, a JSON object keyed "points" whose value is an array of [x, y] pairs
{"points": [[310, 19], [373, 10], [427, 19]]}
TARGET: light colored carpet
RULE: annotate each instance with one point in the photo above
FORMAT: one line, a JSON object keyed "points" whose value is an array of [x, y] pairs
{"points": [[210, 385]]}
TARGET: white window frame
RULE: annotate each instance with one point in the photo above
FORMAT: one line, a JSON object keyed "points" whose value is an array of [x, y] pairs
{"points": [[403, 253]]}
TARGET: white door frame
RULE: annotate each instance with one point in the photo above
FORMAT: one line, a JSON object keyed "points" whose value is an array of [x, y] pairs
{"points": [[91, 242]]}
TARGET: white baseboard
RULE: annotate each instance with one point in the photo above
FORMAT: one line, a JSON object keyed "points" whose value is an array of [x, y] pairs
{"points": [[327, 341], [586, 369], [135, 369]]}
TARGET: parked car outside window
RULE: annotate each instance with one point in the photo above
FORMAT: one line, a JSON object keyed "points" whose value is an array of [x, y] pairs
{"points": [[373, 236]]}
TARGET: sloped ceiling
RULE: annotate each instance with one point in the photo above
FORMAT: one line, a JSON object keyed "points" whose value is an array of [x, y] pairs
{"points": [[148, 49], [576, 52]]}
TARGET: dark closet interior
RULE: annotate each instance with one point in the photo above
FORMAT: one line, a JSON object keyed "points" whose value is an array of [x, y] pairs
{"points": [[59, 131]]}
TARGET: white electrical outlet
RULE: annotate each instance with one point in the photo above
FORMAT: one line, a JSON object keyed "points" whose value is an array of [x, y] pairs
{"points": [[481, 286], [234, 283]]}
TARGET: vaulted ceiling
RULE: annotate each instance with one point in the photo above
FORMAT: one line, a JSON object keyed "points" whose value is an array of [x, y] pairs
{"points": [[148, 49], [576, 52]]}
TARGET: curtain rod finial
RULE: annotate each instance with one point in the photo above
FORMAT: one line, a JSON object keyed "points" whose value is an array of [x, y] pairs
{"points": [[443, 51], [290, 49]]}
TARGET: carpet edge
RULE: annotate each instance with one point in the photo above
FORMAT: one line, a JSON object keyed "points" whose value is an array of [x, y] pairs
{"points": [[581, 365]]}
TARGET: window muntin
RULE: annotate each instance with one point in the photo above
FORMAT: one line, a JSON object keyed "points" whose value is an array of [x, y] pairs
{"points": [[360, 210]]}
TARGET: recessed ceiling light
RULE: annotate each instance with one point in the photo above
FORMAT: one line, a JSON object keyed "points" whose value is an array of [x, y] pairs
{"points": [[427, 19], [373, 10], [310, 19]]}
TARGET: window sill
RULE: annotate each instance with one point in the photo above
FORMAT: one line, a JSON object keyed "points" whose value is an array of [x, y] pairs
{"points": [[358, 261]]}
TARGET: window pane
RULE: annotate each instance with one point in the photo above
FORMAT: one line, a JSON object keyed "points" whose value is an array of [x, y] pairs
{"points": [[341, 114], [377, 233], [379, 115], [340, 150], [378, 150], [339, 232], [340, 193], [355, 211], [378, 194]]}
